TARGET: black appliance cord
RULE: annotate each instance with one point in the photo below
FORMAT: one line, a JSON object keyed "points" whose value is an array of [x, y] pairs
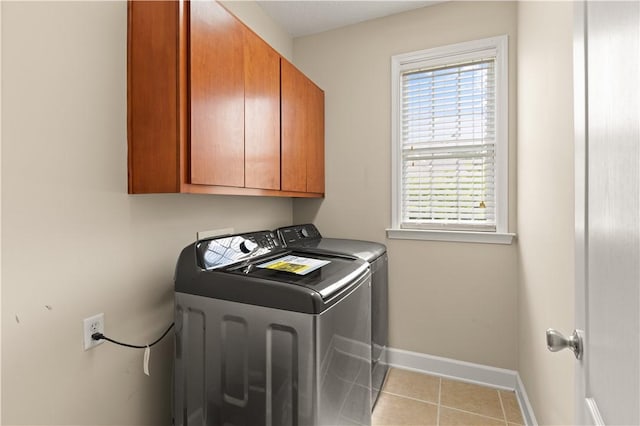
{"points": [[100, 336]]}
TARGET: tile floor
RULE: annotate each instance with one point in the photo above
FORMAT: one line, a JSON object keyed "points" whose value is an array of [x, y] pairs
{"points": [[410, 398]]}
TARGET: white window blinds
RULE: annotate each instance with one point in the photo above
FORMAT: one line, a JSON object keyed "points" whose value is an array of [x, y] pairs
{"points": [[448, 146]]}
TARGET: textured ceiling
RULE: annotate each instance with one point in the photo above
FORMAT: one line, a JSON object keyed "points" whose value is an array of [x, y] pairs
{"points": [[304, 17]]}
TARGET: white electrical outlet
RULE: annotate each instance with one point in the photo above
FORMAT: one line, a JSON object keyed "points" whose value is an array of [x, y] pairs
{"points": [[94, 324]]}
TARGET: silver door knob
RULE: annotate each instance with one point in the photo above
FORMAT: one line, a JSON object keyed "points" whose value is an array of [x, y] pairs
{"points": [[556, 342]]}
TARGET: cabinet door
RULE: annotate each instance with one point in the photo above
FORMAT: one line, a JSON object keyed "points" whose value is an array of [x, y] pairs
{"points": [[216, 96], [315, 145], [152, 97], [262, 113], [302, 132]]}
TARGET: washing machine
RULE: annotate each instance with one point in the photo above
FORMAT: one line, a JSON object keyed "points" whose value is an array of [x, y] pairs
{"points": [[307, 237], [270, 335]]}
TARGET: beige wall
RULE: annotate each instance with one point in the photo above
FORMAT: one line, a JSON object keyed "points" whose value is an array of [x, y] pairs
{"points": [[262, 24], [546, 205], [72, 239], [446, 299]]}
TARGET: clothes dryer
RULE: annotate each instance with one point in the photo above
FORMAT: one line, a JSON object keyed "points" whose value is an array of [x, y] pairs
{"points": [[307, 236]]}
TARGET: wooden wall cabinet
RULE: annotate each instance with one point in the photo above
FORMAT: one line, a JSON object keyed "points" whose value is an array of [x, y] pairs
{"points": [[205, 96], [302, 132]]}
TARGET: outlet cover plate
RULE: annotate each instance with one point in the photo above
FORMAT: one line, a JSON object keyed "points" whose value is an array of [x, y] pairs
{"points": [[91, 325]]}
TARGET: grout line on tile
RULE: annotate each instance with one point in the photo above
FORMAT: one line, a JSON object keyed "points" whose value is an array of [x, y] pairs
{"points": [[439, 400], [411, 398], [475, 414], [504, 412]]}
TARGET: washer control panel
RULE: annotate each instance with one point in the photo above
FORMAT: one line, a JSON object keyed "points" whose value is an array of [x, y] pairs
{"points": [[229, 249], [293, 234]]}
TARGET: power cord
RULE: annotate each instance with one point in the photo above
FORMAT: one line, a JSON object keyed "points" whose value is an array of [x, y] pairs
{"points": [[100, 336]]}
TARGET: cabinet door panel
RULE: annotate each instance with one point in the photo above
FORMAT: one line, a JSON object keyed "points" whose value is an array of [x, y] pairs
{"points": [[262, 114], [315, 150], [152, 97], [302, 132], [217, 96], [294, 129]]}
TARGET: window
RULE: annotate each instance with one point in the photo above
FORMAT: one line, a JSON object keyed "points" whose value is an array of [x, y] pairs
{"points": [[450, 147]]}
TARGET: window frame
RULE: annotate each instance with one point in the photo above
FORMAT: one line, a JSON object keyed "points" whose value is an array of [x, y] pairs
{"points": [[446, 55]]}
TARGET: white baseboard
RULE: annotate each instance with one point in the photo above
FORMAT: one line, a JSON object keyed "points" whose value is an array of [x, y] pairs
{"points": [[466, 372], [451, 368], [525, 406]]}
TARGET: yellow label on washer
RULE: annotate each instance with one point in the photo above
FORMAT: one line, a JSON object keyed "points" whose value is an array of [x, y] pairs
{"points": [[288, 267], [294, 264]]}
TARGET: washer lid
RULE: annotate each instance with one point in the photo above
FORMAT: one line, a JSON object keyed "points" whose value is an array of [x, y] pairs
{"points": [[234, 268], [324, 273]]}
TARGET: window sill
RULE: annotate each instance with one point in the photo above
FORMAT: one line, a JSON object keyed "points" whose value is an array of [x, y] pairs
{"points": [[454, 236]]}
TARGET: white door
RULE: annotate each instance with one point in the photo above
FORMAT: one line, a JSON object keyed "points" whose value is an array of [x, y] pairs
{"points": [[607, 42]]}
